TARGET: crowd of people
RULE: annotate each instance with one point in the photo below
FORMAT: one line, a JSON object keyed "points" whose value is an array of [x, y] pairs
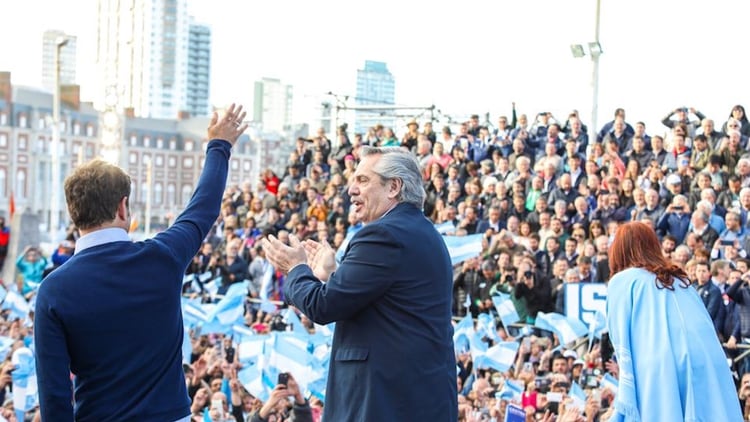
{"points": [[546, 196]]}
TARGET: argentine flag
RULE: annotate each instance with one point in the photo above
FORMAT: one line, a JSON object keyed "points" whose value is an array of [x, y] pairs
{"points": [[25, 391], [567, 329], [499, 357], [462, 248], [506, 310], [511, 390]]}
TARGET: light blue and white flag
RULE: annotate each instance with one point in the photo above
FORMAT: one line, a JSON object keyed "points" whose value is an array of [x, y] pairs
{"points": [[291, 318], [5, 345], [193, 313], [446, 227], [17, 304], [597, 327], [462, 248], [462, 332], [252, 350], [506, 310], [511, 390], [567, 329], [486, 326], [499, 357], [350, 232], [252, 378], [242, 332], [578, 396], [25, 391], [608, 381]]}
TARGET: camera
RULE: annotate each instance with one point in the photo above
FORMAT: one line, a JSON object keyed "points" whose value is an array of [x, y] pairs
{"points": [[542, 384], [508, 278], [528, 274]]}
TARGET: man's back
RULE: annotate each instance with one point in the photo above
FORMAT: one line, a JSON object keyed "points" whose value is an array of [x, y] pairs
{"points": [[123, 330], [393, 355]]}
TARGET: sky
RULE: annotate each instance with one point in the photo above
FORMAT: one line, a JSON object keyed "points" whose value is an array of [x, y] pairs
{"points": [[464, 57]]}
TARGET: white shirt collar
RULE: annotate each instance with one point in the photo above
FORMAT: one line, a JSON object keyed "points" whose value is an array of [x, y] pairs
{"points": [[100, 237]]}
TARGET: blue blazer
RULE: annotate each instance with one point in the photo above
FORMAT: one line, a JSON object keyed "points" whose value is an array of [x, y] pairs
{"points": [[392, 356]]}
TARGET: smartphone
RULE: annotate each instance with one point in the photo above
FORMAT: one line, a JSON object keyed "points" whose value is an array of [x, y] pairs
{"points": [[283, 378], [229, 354], [726, 242]]}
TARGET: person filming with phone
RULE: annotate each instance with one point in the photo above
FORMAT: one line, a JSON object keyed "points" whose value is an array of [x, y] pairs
{"points": [[277, 408]]}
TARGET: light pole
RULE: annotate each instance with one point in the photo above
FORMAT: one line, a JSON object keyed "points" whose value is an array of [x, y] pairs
{"points": [[149, 171], [596, 51], [54, 220]]}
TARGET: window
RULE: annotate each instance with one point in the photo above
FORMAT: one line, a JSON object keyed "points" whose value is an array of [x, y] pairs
{"points": [[160, 143], [41, 123], [76, 128], [133, 140], [235, 164], [159, 161], [187, 191], [4, 119], [3, 140], [89, 130], [246, 165], [171, 191], [158, 190], [144, 191], [40, 147], [133, 158], [188, 145], [187, 162], [172, 144], [22, 120], [20, 189], [3, 180], [22, 143], [172, 161], [147, 142]]}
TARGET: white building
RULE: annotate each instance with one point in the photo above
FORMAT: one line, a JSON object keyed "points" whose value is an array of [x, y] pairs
{"points": [[272, 105], [142, 50], [50, 39]]}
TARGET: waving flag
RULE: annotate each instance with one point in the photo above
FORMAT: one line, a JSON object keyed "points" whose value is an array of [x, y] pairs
{"points": [[506, 310], [462, 248], [462, 332], [291, 318], [499, 357], [19, 307], [567, 329], [25, 391], [445, 228], [511, 390], [486, 326]]}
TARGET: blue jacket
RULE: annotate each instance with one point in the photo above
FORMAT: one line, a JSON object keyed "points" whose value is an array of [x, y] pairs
{"points": [[392, 356], [112, 315]]}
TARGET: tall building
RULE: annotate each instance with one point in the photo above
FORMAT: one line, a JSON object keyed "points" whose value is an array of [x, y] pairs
{"points": [[375, 86], [272, 105], [142, 52], [50, 40], [199, 69]]}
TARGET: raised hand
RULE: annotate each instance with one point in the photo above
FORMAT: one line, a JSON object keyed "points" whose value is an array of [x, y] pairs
{"points": [[230, 126]]}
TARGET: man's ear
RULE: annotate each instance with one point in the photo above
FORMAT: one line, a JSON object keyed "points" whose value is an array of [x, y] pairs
{"points": [[394, 187], [122, 208]]}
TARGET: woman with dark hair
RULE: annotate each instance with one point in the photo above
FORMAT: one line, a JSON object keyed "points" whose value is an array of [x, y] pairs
{"points": [[738, 113], [671, 364]]}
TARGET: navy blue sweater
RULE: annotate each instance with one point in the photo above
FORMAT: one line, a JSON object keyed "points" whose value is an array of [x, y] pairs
{"points": [[111, 315]]}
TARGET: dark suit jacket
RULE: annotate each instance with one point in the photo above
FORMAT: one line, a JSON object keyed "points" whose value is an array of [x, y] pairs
{"points": [[392, 355]]}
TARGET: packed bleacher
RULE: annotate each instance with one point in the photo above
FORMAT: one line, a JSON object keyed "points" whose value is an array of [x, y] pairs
{"points": [[528, 208]]}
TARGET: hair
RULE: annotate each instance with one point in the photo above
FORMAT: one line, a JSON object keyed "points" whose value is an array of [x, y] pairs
{"points": [[636, 245], [94, 191], [398, 164]]}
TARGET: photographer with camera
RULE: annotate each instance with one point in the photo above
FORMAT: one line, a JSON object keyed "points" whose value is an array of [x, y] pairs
{"points": [[277, 407], [535, 288], [474, 281]]}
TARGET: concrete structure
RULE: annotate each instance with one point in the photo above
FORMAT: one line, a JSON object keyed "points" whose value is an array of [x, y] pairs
{"points": [[375, 86], [198, 70], [272, 105], [142, 52], [67, 59], [175, 148]]}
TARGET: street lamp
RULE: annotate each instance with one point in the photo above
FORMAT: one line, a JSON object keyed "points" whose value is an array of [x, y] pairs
{"points": [[595, 51], [54, 220]]}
